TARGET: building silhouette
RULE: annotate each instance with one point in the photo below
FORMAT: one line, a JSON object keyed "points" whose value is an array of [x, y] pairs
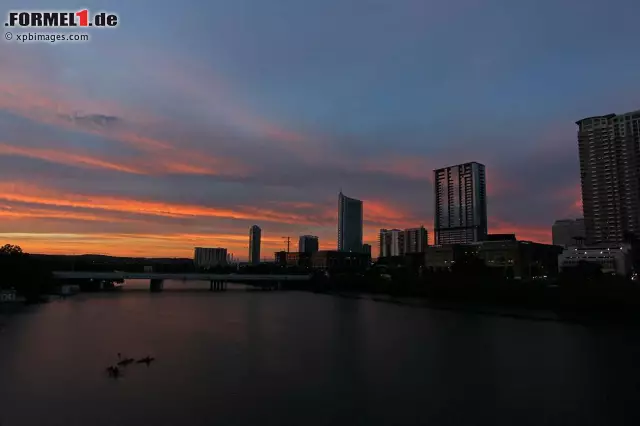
{"points": [[255, 234], [308, 244], [609, 148], [416, 240], [392, 242], [568, 232], [460, 204], [209, 257], [350, 222], [396, 242]]}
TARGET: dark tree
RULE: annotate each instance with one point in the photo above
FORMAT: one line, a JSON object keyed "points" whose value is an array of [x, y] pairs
{"points": [[11, 249]]}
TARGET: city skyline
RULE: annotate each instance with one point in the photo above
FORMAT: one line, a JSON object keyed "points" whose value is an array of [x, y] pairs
{"points": [[140, 144]]}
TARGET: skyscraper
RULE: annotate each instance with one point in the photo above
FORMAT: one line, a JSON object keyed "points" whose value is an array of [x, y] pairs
{"points": [[255, 234], [308, 244], [350, 221], [609, 148], [568, 232], [392, 242], [460, 204], [416, 240]]}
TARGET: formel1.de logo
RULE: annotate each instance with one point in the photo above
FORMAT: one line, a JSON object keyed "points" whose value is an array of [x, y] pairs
{"points": [[53, 19]]}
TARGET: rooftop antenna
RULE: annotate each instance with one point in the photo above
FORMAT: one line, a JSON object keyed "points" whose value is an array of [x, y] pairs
{"points": [[288, 242]]}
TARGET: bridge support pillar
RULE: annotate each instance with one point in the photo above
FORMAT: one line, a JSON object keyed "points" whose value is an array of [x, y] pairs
{"points": [[156, 285], [216, 285]]}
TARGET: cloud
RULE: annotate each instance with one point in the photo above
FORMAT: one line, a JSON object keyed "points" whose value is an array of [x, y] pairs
{"points": [[67, 158], [99, 120], [39, 195]]}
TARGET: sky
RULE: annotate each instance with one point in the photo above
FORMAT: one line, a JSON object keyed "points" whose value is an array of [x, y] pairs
{"points": [[193, 120]]}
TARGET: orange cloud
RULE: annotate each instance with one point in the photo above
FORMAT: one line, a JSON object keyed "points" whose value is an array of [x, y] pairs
{"points": [[18, 192], [60, 157], [156, 163], [8, 213], [377, 211], [140, 245]]}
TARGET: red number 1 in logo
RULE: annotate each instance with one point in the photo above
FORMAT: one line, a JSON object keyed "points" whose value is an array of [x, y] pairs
{"points": [[84, 17]]}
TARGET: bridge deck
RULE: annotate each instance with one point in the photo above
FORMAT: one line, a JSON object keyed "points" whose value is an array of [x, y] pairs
{"points": [[180, 277]]}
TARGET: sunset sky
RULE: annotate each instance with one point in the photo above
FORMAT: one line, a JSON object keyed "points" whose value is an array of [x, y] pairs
{"points": [[193, 120]]}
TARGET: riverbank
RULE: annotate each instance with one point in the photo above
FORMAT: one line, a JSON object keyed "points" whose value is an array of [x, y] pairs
{"points": [[496, 311]]}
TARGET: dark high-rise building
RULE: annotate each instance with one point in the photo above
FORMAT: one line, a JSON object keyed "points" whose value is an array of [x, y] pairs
{"points": [[460, 204], [609, 148], [255, 234], [416, 240], [308, 244], [395, 242], [350, 220], [392, 243]]}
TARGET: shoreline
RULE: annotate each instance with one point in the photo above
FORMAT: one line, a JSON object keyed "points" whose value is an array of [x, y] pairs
{"points": [[494, 311]]}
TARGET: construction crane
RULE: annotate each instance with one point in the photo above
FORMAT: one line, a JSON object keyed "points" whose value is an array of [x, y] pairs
{"points": [[288, 242]]}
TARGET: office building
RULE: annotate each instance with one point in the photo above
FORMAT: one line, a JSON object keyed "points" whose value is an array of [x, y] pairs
{"points": [[255, 234], [366, 249], [308, 244], [391, 242], [613, 260], [416, 240], [460, 204], [350, 222], [329, 259], [609, 148], [519, 260], [284, 258], [568, 232], [209, 257]]}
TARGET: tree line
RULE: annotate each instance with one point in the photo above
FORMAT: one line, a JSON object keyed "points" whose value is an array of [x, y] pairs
{"points": [[29, 276]]}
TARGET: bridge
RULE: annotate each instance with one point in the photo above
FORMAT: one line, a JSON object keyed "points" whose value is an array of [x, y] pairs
{"points": [[217, 282]]}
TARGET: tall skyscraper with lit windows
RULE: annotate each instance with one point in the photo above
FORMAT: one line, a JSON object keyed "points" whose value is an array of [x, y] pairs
{"points": [[460, 204], [609, 149]]}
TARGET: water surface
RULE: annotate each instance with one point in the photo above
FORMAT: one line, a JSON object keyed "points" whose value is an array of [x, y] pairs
{"points": [[290, 358]]}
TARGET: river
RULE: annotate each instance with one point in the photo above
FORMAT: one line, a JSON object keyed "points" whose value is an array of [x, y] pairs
{"points": [[303, 359]]}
